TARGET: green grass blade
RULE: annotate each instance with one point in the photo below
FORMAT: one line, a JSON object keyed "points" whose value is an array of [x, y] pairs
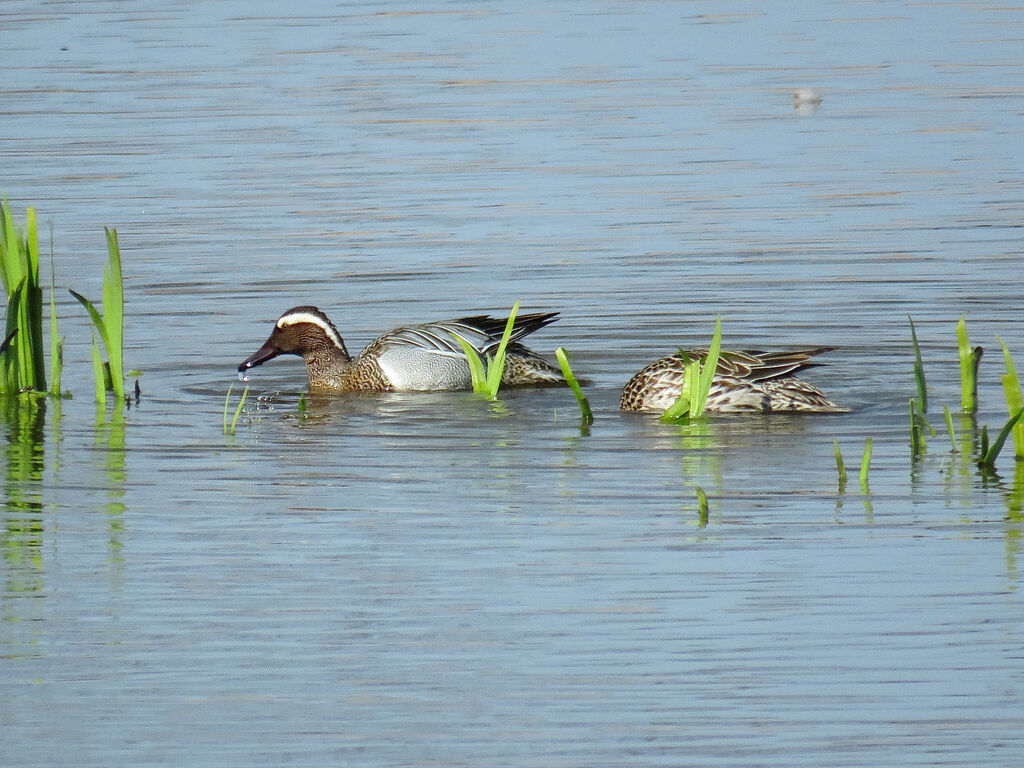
{"points": [[680, 409], [227, 402], [949, 426], [922, 392], [105, 372], [563, 361], [33, 299], [840, 464], [989, 456], [97, 319], [113, 312], [865, 465], [476, 365], [496, 364], [56, 342], [707, 372], [969, 361], [98, 370], [19, 266], [12, 366], [1014, 399], [10, 249], [238, 410], [918, 444]]}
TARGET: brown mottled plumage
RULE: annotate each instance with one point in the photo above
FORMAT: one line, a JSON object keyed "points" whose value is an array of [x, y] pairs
{"points": [[749, 381], [422, 358]]}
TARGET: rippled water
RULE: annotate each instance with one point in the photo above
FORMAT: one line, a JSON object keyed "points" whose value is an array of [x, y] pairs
{"points": [[432, 579]]}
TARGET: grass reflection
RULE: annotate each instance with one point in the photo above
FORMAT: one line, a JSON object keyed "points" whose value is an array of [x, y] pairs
{"points": [[109, 440], [24, 421]]}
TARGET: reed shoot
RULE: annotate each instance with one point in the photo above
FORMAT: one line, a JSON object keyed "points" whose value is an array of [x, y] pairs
{"points": [[110, 325], [487, 382], [56, 341], [229, 429], [697, 380], [840, 464], [989, 453], [922, 394], [563, 361], [918, 425], [23, 368], [865, 466], [99, 370], [949, 426], [1014, 399], [970, 359]]}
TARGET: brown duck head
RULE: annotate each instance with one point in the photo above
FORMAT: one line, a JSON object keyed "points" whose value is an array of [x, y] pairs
{"points": [[304, 331]]}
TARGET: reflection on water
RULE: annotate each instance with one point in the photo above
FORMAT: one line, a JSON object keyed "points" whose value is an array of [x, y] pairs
{"points": [[24, 445], [110, 457]]}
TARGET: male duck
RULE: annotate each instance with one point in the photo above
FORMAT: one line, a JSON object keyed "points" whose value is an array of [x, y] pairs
{"points": [[747, 381], [420, 358]]}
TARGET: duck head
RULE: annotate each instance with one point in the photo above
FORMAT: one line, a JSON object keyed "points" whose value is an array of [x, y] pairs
{"points": [[304, 331]]}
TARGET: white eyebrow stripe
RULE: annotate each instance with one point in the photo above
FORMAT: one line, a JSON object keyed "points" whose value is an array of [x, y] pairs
{"points": [[306, 317]]}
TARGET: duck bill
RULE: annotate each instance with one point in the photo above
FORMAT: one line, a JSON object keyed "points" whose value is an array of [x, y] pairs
{"points": [[267, 352]]}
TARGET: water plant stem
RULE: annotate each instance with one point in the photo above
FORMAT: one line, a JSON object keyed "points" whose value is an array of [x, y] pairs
{"points": [[989, 453], [1014, 399], [840, 464], [949, 426], [488, 382], [110, 325], [585, 411], [23, 368], [970, 359], [229, 429], [865, 466], [697, 380], [922, 393]]}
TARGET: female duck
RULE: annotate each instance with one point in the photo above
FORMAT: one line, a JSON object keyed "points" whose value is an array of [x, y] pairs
{"points": [[749, 381], [420, 358]]}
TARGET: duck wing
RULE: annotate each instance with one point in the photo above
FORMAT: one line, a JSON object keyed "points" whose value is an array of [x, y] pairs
{"points": [[755, 365], [483, 332]]}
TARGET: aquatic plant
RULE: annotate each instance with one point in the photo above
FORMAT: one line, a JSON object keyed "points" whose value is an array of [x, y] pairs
{"points": [[109, 325], [23, 369], [918, 425], [697, 380], [865, 466], [585, 411], [229, 429], [840, 464], [56, 340], [487, 382], [970, 359], [1014, 399], [949, 426], [922, 394], [989, 453]]}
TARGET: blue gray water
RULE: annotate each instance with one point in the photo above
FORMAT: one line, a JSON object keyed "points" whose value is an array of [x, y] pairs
{"points": [[435, 580]]}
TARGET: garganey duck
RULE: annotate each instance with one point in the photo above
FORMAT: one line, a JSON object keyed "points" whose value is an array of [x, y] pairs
{"points": [[413, 358], [748, 381]]}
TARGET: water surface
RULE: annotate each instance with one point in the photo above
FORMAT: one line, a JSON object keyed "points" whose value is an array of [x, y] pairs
{"points": [[431, 579]]}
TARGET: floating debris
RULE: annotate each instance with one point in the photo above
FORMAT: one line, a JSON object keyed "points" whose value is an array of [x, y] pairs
{"points": [[806, 100]]}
